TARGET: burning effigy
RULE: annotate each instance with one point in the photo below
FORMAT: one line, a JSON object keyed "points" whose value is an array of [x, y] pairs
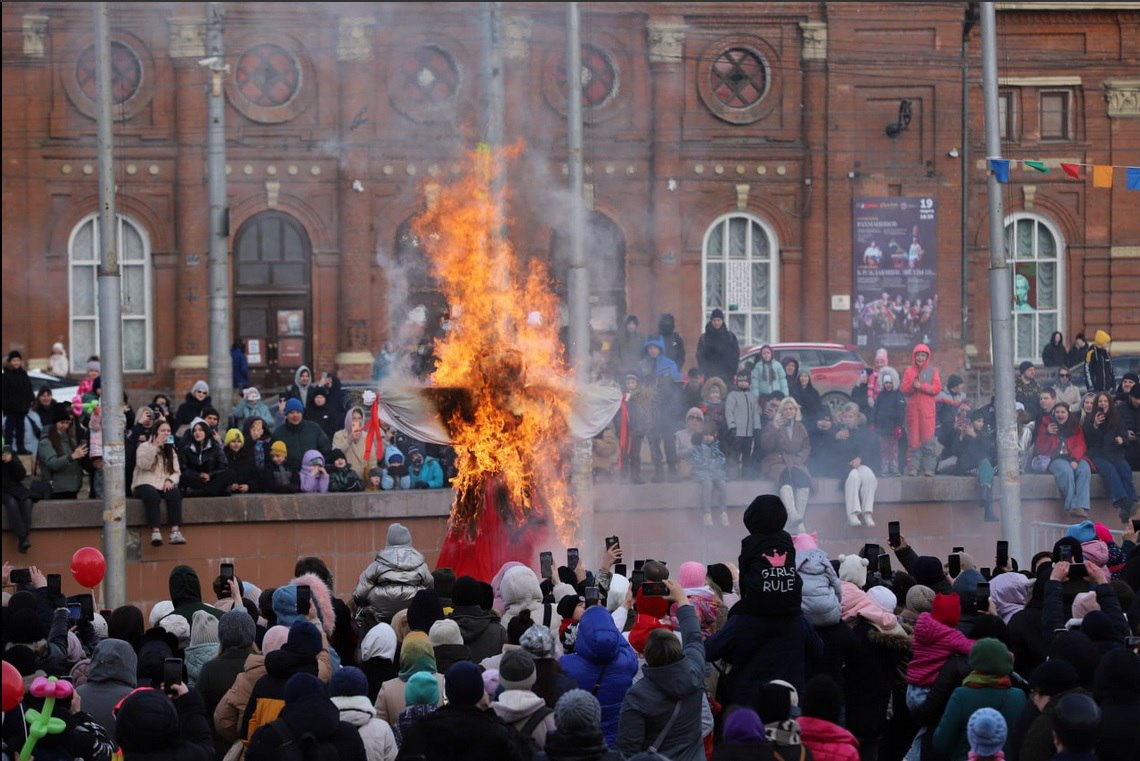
{"points": [[502, 393]]}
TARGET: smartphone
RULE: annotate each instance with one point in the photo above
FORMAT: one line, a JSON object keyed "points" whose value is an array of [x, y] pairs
{"points": [[638, 565], [171, 673], [894, 534], [572, 558], [1002, 559], [591, 596], [74, 611], [982, 597], [987, 573], [885, 569], [227, 572], [86, 607], [54, 586], [612, 541], [1136, 524], [21, 576], [619, 569], [872, 551], [957, 549], [955, 563], [655, 589], [304, 599], [546, 564], [1078, 571], [1066, 553]]}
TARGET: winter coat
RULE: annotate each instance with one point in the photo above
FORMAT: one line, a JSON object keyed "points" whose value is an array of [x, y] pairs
{"points": [[215, 680], [1098, 367], [481, 630], [649, 704], [708, 462], [324, 415], [186, 594], [520, 589], [1117, 690], [920, 384], [950, 734], [390, 581], [871, 673], [889, 412], [245, 410], [190, 409], [625, 352], [230, 710], [353, 448], [599, 647], [856, 604], [240, 367], [718, 353], [821, 591], [742, 413], [241, 468], [279, 666], [17, 391], [301, 438], [840, 645], [1055, 354], [110, 678], [516, 707], [11, 482], [1049, 444], [429, 473], [972, 450], [190, 738], [811, 403], [674, 346], [827, 741], [768, 378], [310, 483], [934, 642], [64, 473], [197, 656], [315, 715], [298, 391], [447, 734], [782, 450], [1101, 441], [344, 480], [661, 367], [279, 479], [376, 734], [195, 459], [150, 466], [760, 649], [391, 699]]}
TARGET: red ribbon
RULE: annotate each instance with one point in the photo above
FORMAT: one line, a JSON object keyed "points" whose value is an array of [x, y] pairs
{"points": [[625, 441], [374, 435]]}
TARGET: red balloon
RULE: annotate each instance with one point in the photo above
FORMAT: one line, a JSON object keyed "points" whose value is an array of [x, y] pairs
{"points": [[88, 567], [13, 687]]}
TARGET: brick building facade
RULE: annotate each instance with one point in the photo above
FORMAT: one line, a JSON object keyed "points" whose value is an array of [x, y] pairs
{"points": [[725, 145]]}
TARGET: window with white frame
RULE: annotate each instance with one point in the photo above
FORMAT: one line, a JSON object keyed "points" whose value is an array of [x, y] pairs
{"points": [[1035, 250], [739, 276], [83, 274]]}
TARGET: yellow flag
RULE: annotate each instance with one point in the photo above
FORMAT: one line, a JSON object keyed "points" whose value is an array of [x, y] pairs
{"points": [[1102, 176]]}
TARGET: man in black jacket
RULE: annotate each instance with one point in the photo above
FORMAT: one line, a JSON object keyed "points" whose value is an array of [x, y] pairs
{"points": [[18, 398], [718, 352]]}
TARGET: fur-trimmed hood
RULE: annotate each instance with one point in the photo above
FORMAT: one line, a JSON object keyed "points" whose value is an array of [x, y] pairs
{"points": [[285, 602]]}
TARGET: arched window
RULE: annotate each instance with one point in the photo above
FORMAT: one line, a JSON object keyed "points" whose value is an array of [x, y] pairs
{"points": [[740, 258], [1034, 248], [83, 288]]}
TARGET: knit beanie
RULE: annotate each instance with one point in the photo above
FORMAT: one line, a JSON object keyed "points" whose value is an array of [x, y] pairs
{"points": [[274, 639], [1085, 531], [399, 536], [422, 689], [304, 638], [691, 575], [424, 610], [516, 670], [920, 599], [444, 579], [1084, 603], [147, 722], [743, 725], [99, 624], [721, 576], [778, 701], [294, 405], [416, 654], [822, 699], [947, 609], [466, 592], [445, 632], [200, 385], [884, 598], [160, 609], [577, 711], [567, 605], [279, 448], [178, 626], [302, 685], [538, 641], [251, 394], [203, 628], [236, 629], [991, 656], [1053, 677], [804, 542], [491, 681], [853, 568], [348, 681], [986, 732], [464, 684], [233, 434], [928, 571]]}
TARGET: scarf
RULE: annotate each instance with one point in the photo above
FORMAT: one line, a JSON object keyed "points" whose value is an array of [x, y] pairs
{"points": [[981, 681], [783, 733]]}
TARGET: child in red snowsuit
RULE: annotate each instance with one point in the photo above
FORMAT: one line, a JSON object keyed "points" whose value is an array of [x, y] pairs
{"points": [[920, 384]]}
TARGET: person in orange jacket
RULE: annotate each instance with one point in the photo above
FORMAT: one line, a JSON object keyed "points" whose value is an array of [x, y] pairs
{"points": [[920, 384]]}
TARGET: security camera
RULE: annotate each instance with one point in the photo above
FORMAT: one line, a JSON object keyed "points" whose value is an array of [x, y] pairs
{"points": [[207, 63]]}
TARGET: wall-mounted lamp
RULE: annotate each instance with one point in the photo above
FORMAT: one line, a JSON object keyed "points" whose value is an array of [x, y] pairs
{"points": [[895, 129], [953, 153]]}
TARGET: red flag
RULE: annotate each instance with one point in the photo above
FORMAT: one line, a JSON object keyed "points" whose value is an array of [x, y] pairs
{"points": [[1073, 170]]}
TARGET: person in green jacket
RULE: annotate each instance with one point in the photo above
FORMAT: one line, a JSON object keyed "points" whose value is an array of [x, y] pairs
{"points": [[299, 435], [987, 686], [59, 455]]}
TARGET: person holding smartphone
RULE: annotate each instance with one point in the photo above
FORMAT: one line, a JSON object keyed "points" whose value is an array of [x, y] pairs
{"points": [[17, 498], [1106, 439], [1062, 442], [61, 455], [155, 480]]}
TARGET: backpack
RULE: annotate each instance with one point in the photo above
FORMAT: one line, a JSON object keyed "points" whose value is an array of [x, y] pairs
{"points": [[303, 748], [524, 735]]}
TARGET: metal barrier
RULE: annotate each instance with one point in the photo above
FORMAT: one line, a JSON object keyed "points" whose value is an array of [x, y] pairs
{"points": [[1045, 535]]}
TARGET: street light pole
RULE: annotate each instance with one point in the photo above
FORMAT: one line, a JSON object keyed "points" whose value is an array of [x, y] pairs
{"points": [[110, 331], [1001, 308], [220, 363]]}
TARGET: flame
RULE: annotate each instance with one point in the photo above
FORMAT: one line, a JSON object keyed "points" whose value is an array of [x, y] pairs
{"points": [[502, 382]]}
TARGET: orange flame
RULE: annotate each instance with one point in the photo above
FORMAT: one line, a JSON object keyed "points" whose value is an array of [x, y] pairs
{"points": [[502, 356]]}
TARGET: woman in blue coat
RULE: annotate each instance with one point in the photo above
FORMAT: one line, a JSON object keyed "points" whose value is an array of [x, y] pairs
{"points": [[604, 664]]}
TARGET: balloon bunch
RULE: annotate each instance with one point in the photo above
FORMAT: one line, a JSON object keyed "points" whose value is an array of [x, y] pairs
{"points": [[42, 723]]}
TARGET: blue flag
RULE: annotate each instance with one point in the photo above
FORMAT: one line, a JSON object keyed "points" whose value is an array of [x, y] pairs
{"points": [[1133, 178], [1000, 168]]}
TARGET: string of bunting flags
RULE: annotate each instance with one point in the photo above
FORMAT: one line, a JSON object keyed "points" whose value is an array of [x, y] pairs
{"points": [[1102, 174]]}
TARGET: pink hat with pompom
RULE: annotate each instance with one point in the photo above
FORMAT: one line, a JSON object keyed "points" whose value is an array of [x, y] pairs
{"points": [[804, 542], [692, 574]]}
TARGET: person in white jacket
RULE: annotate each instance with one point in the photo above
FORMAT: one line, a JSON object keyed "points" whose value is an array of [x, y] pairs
{"points": [[348, 691]]}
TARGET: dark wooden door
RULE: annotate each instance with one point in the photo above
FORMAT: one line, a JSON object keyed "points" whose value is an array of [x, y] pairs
{"points": [[272, 300]]}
